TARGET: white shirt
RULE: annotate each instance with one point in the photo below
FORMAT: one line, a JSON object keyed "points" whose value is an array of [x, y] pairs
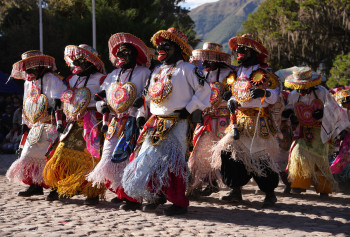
{"points": [[186, 92], [139, 77]]}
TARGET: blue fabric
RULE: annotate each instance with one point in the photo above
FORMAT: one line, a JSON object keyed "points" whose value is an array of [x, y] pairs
{"points": [[126, 142]]}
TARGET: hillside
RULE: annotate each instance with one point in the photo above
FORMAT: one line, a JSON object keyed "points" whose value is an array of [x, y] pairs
{"points": [[219, 21]]}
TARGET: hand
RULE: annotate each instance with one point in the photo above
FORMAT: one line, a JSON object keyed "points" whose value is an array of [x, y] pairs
{"points": [[257, 93], [183, 113], [225, 155], [60, 128], [317, 114], [102, 94], [227, 95], [287, 113], [104, 128], [231, 105], [138, 102], [294, 119], [140, 121], [105, 109], [24, 128], [235, 133], [57, 104], [197, 117]]}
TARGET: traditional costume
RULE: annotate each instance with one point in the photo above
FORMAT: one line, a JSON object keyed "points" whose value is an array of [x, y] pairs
{"points": [[216, 119], [79, 148], [176, 88], [320, 118], [246, 150], [122, 86], [40, 92]]}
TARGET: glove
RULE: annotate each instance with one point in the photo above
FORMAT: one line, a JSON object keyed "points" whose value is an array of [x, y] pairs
{"points": [[197, 117], [104, 128], [183, 113], [105, 109], [138, 102], [24, 128], [60, 128], [257, 93], [140, 121], [235, 133], [294, 120], [101, 94], [287, 113], [57, 104], [231, 105], [225, 155], [317, 114], [227, 95]]}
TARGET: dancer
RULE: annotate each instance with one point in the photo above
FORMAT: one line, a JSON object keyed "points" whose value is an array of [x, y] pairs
{"points": [[42, 90], [177, 89], [130, 55], [79, 148]]}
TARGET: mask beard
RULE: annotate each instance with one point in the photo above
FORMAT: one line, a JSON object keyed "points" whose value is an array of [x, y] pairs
{"points": [[162, 55], [77, 69], [120, 62], [31, 77]]}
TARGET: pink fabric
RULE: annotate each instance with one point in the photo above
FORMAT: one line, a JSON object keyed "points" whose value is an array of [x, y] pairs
{"points": [[343, 158], [91, 134]]}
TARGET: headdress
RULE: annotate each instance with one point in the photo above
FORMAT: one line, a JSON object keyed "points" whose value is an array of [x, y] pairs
{"points": [[342, 94], [31, 59], [72, 52], [211, 52], [175, 36], [302, 78], [143, 57], [252, 42]]}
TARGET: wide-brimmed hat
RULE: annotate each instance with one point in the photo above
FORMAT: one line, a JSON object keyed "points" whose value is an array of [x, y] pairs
{"points": [[175, 36], [302, 78], [143, 57], [342, 94], [72, 52], [252, 42], [211, 52], [32, 59]]}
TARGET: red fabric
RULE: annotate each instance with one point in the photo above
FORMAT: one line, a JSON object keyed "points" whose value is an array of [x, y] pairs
{"points": [[120, 192], [28, 179], [102, 79]]}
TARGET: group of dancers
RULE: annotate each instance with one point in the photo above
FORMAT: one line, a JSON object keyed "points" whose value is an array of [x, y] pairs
{"points": [[173, 132]]}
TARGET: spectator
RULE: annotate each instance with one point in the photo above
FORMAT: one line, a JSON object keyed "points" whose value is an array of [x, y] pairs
{"points": [[12, 140], [17, 116]]}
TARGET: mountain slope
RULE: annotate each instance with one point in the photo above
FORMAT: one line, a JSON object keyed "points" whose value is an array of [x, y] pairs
{"points": [[219, 21]]}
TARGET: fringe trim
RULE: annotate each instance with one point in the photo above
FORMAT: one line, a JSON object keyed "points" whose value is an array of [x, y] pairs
{"points": [[303, 86]]}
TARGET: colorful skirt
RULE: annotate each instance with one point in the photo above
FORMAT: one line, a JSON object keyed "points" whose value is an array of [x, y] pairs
{"points": [[69, 165], [29, 167]]}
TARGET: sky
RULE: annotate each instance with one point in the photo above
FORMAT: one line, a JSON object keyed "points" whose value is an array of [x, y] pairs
{"points": [[195, 3]]}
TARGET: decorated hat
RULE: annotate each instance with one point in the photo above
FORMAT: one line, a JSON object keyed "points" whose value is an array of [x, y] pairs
{"points": [[342, 94], [302, 78], [72, 52], [32, 59], [211, 52], [252, 42], [143, 57], [175, 36]]}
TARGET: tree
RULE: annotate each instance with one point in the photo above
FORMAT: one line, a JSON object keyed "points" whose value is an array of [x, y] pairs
{"points": [[300, 32], [340, 72]]}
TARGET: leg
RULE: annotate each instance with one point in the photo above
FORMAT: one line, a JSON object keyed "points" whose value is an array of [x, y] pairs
{"points": [[267, 184]]}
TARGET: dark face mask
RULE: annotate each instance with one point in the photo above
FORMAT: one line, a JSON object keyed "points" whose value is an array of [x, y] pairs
{"points": [[82, 67], [246, 56], [168, 52], [35, 73], [212, 66], [126, 56], [304, 92]]}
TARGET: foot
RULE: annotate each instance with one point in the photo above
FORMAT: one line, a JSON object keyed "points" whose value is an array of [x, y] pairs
{"points": [[91, 201], [209, 190], [235, 195], [270, 199], [53, 195], [324, 195], [150, 207], [130, 206], [175, 210], [298, 190], [195, 193], [287, 189], [32, 190], [116, 200]]}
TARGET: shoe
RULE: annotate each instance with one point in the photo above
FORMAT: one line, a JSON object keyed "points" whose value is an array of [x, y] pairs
{"points": [[53, 195], [175, 210], [270, 199], [116, 200], [150, 207], [235, 195], [324, 195], [298, 190], [194, 194], [287, 189], [32, 190], [91, 200], [130, 206], [209, 190]]}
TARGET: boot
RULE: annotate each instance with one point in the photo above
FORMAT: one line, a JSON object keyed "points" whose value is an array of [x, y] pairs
{"points": [[210, 189], [287, 189], [298, 190], [194, 193], [324, 195], [235, 195], [32, 190], [116, 200], [91, 201], [53, 195], [130, 206], [151, 206], [270, 199], [175, 210]]}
